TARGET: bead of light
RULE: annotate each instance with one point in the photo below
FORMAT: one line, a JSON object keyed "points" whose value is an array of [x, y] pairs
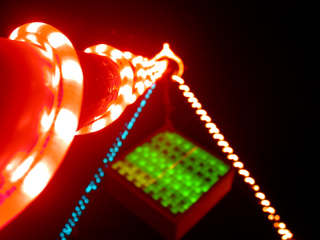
{"points": [[233, 157], [265, 202], [282, 225], [271, 210], [261, 196], [270, 217], [249, 180], [244, 172], [218, 136], [256, 188], [238, 164], [223, 143]]}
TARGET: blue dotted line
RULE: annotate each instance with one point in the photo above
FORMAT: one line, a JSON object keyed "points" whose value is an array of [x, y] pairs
{"points": [[67, 229]]}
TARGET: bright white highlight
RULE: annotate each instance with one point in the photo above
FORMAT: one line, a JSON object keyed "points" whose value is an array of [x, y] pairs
{"points": [[115, 112], [33, 27], [66, 125], [36, 180], [116, 54], [47, 120], [71, 70], [126, 90], [101, 48], [57, 39], [22, 169], [32, 38], [99, 124], [126, 72]]}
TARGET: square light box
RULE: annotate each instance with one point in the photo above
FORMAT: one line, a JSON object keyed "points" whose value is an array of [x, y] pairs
{"points": [[169, 181]]}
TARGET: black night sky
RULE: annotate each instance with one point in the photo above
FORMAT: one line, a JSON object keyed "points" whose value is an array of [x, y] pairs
{"points": [[247, 65]]}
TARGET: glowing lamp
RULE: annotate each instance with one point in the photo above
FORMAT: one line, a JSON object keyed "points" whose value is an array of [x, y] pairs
{"points": [[49, 93]]}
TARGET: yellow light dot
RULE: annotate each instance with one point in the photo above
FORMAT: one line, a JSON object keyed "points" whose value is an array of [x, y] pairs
{"points": [[205, 118], [223, 143], [277, 217], [270, 217], [260, 195], [192, 100], [196, 105], [201, 112], [265, 202], [282, 225], [177, 79], [256, 188], [271, 210], [220, 137], [232, 156], [184, 88], [238, 164], [244, 172], [289, 235], [188, 94], [249, 180]]}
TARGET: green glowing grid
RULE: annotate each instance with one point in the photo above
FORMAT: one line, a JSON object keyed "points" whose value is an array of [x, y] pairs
{"points": [[172, 170]]}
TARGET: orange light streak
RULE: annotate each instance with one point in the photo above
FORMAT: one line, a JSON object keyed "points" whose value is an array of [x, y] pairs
{"points": [[31, 173], [214, 131]]}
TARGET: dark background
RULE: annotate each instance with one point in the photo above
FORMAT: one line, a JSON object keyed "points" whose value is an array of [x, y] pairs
{"points": [[247, 63]]}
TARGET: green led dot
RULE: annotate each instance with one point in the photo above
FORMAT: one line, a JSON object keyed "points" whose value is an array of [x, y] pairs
{"points": [[174, 210], [205, 188], [130, 178], [155, 196], [193, 197], [164, 203]]}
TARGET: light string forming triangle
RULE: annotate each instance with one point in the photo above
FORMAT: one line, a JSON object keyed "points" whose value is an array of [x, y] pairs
{"points": [[215, 132]]}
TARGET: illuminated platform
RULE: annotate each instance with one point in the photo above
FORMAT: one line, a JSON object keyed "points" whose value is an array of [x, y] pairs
{"points": [[169, 182]]}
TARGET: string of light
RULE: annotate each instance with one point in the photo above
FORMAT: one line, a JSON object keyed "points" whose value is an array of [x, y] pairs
{"points": [[27, 174], [93, 185], [215, 132]]}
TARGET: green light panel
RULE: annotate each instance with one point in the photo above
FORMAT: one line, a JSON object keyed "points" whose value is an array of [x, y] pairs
{"points": [[173, 170]]}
